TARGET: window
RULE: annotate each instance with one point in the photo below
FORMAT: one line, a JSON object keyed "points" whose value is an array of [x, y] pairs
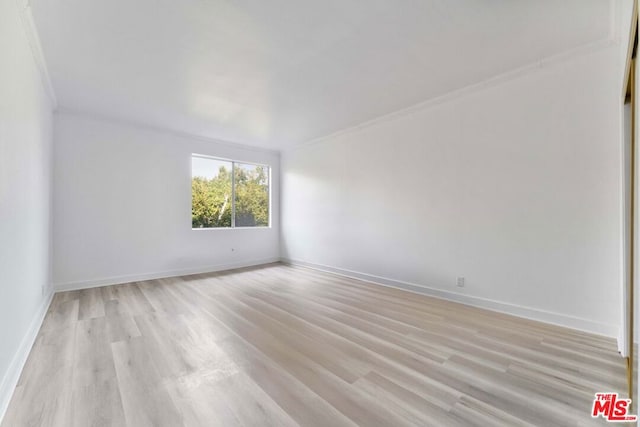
{"points": [[228, 194], [251, 185]]}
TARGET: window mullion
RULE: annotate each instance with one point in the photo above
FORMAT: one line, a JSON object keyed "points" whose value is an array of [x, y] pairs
{"points": [[233, 194]]}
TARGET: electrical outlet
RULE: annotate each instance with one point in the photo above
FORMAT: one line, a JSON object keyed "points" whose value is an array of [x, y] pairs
{"points": [[460, 282]]}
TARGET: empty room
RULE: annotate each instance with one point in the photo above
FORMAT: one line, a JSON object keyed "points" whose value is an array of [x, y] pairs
{"points": [[319, 213]]}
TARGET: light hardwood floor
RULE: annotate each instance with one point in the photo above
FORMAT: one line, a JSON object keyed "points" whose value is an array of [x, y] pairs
{"points": [[283, 346]]}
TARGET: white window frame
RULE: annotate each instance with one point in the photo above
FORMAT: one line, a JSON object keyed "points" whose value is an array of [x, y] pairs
{"points": [[233, 191]]}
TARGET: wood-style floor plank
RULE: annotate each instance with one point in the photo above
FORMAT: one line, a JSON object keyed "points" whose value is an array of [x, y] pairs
{"points": [[281, 346]]}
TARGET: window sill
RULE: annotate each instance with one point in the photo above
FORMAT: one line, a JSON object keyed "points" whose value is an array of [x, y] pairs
{"points": [[231, 228]]}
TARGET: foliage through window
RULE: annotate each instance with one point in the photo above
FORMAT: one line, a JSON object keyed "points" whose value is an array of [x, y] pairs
{"points": [[228, 194]]}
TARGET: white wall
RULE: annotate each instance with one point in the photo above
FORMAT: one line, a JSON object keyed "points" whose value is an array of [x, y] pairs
{"points": [[514, 185], [122, 206], [25, 168]]}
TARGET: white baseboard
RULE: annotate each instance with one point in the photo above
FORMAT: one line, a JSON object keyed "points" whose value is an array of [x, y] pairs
{"points": [[11, 377], [610, 330], [115, 280]]}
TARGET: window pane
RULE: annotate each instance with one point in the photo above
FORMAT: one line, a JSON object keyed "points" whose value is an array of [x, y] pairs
{"points": [[252, 195], [210, 193]]}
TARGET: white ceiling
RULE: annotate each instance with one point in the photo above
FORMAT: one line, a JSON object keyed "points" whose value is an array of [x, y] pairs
{"points": [[273, 73]]}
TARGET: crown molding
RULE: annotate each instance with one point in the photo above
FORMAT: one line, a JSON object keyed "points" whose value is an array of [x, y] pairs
{"points": [[494, 81], [613, 38], [62, 110], [29, 26]]}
